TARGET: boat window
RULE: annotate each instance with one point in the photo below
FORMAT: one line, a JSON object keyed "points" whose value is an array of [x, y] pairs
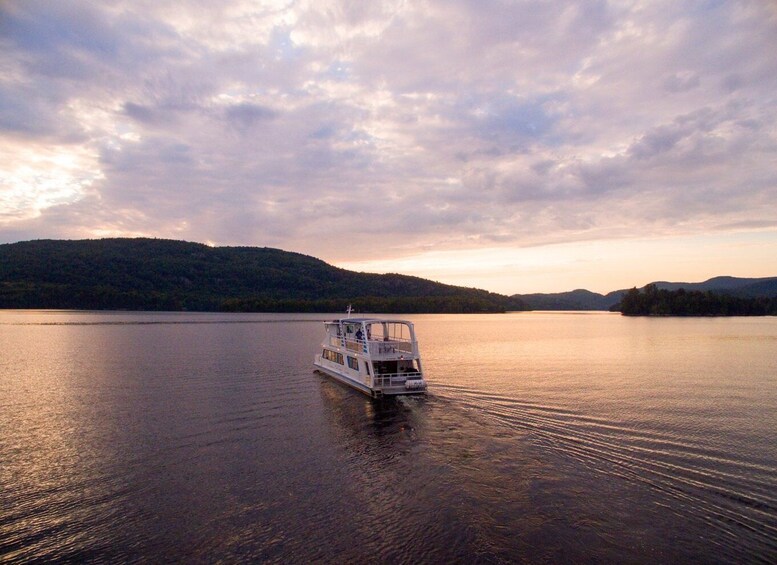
{"points": [[333, 356], [375, 332], [386, 367], [398, 332], [388, 331], [353, 363]]}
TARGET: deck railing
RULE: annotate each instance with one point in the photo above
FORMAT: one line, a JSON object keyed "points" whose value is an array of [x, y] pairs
{"points": [[388, 380], [393, 349]]}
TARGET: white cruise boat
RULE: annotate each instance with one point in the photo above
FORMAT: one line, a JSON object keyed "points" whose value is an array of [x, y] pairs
{"points": [[377, 356]]}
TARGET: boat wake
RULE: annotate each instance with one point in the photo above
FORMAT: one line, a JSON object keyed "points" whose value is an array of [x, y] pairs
{"points": [[730, 492]]}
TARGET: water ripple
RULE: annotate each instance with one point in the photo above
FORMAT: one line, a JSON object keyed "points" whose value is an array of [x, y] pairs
{"points": [[731, 493]]}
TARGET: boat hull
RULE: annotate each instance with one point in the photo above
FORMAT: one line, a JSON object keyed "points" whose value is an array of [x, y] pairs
{"points": [[361, 387]]}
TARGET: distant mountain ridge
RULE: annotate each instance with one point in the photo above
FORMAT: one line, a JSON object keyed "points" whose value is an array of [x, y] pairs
{"points": [[745, 287], [159, 274], [581, 299]]}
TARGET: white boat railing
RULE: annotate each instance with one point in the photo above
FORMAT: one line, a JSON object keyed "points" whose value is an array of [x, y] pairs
{"points": [[387, 380], [377, 349], [388, 348]]}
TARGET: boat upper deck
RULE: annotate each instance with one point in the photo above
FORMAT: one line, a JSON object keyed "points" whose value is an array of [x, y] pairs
{"points": [[379, 338]]}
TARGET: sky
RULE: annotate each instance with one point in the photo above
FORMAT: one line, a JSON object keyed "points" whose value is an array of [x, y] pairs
{"points": [[516, 146]]}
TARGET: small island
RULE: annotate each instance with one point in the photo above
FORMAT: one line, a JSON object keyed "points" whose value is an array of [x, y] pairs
{"points": [[652, 301]]}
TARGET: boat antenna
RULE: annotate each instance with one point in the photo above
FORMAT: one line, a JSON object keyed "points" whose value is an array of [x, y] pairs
{"points": [[349, 311]]}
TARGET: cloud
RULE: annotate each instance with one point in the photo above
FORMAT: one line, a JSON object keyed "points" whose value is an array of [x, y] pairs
{"points": [[358, 130], [681, 81]]}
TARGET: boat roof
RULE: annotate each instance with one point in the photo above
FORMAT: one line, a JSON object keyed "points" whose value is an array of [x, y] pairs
{"points": [[371, 320]]}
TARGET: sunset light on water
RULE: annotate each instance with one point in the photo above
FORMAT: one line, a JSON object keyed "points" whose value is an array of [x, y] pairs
{"points": [[294, 281]]}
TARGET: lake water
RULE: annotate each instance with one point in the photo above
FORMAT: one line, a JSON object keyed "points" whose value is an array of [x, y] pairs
{"points": [[545, 438]]}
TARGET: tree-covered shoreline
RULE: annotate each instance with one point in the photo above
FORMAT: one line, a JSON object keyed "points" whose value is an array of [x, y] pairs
{"points": [[652, 301], [168, 275]]}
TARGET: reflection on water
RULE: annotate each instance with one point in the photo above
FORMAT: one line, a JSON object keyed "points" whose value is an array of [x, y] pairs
{"points": [[544, 438]]}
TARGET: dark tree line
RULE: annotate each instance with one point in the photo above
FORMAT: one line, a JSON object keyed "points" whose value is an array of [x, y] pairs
{"points": [[399, 304], [155, 274], [652, 301]]}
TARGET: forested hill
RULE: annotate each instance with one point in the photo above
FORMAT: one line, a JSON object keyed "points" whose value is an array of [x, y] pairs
{"points": [[654, 301], [586, 300], [157, 274]]}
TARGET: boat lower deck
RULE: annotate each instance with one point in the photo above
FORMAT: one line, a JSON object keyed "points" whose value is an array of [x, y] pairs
{"points": [[387, 387]]}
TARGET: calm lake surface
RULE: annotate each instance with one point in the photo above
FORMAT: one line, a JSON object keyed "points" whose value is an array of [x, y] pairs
{"points": [[545, 438]]}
